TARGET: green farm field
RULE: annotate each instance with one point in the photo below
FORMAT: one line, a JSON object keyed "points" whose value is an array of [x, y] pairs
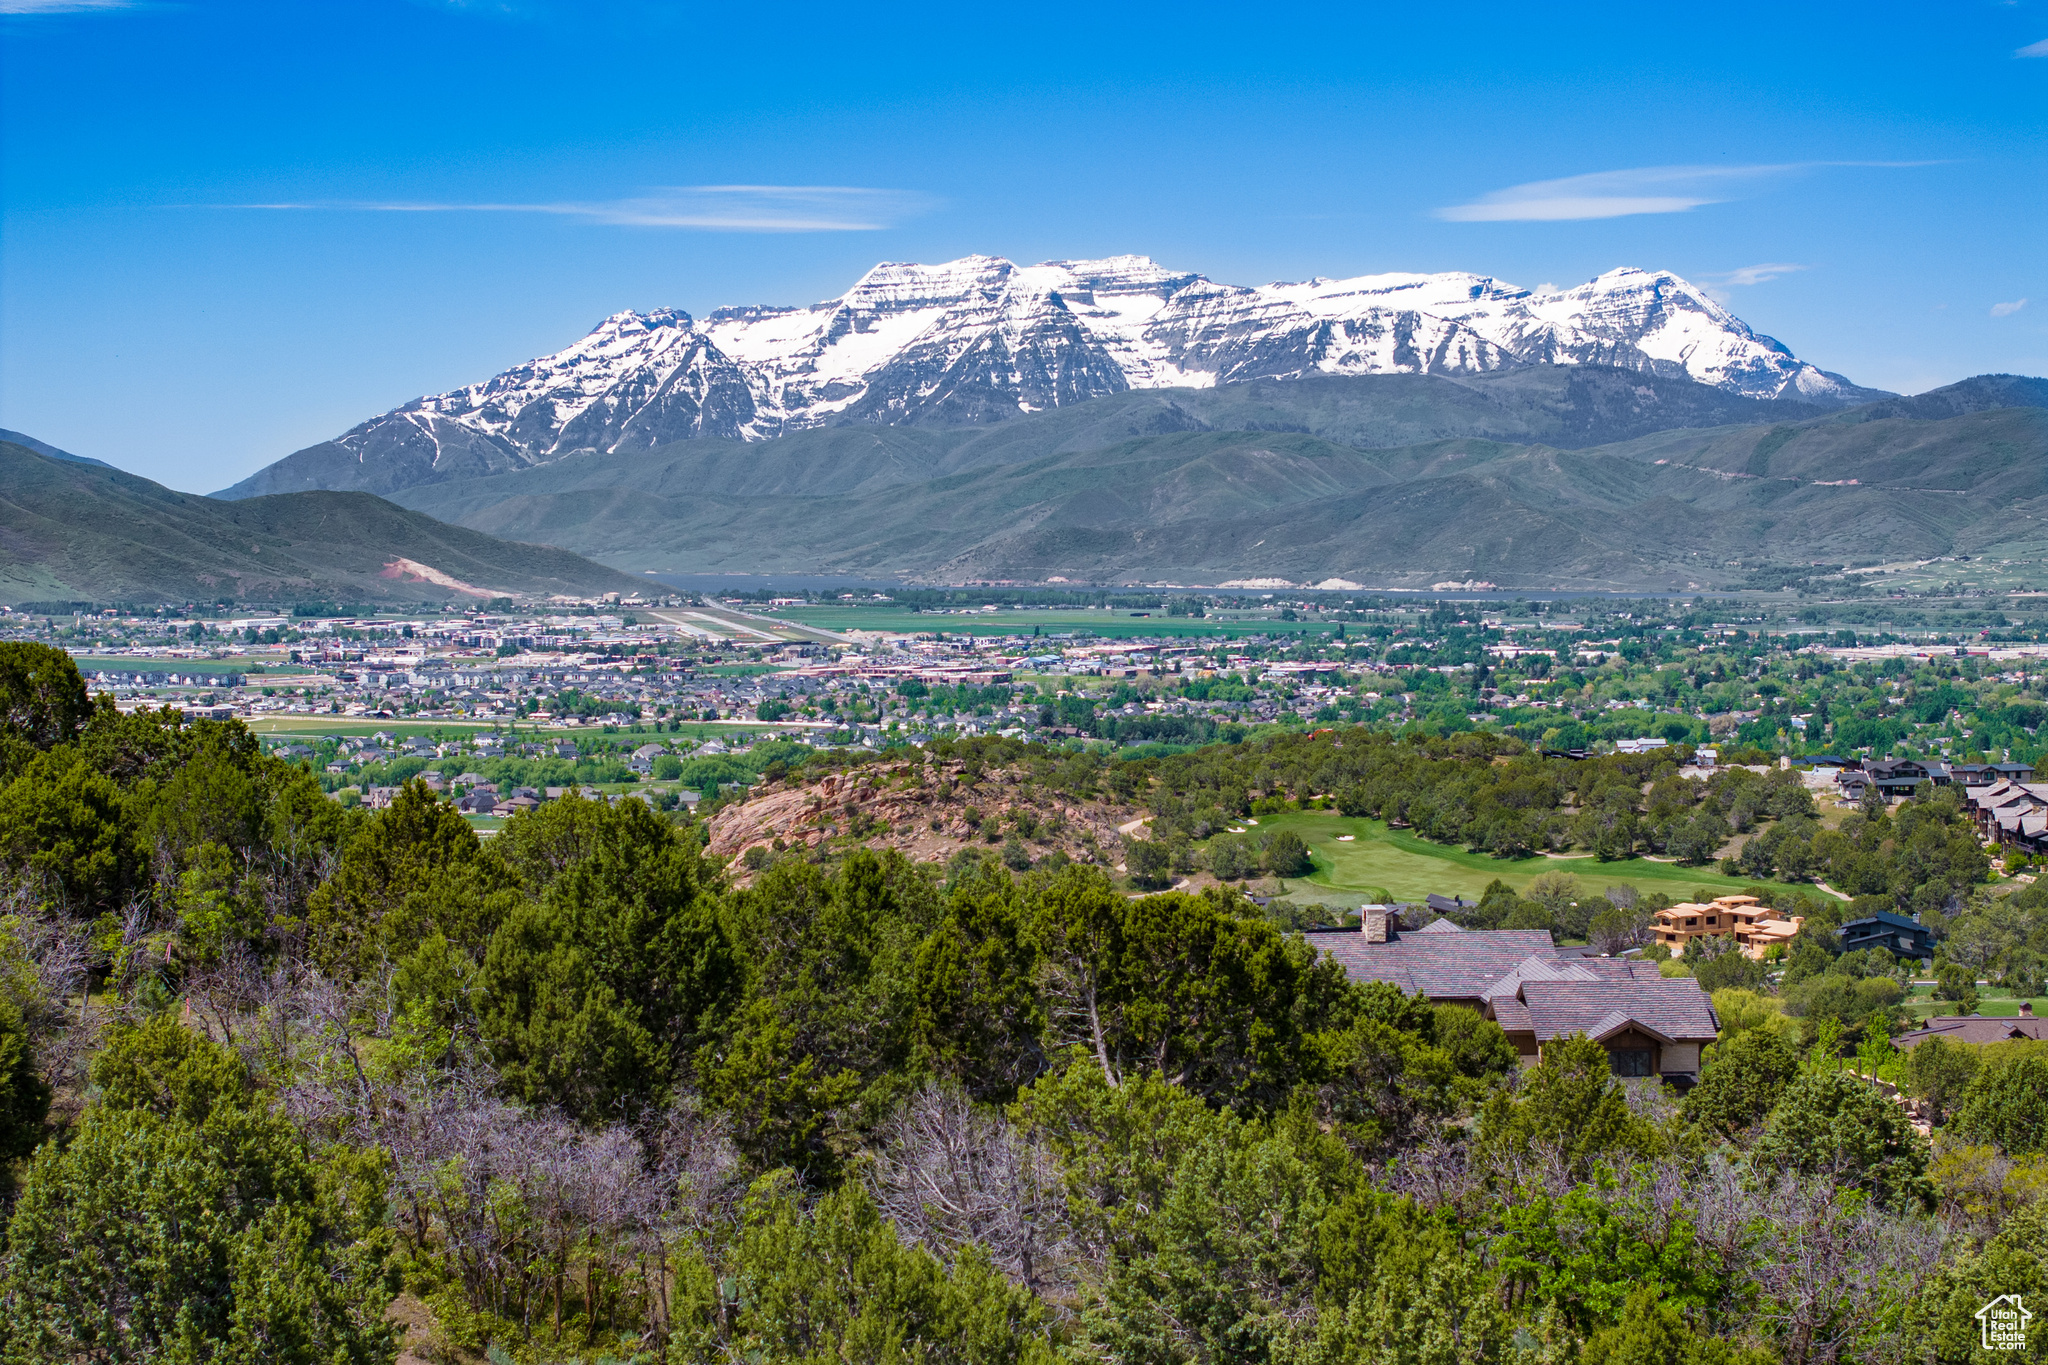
{"points": [[140, 663], [1109, 624], [1409, 868], [317, 726]]}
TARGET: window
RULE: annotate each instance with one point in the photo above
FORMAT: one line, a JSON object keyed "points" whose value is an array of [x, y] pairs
{"points": [[1630, 1061], [1693, 921], [1713, 919]]}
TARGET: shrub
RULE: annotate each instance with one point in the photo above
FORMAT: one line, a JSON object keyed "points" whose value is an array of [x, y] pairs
{"points": [[1830, 1122], [1147, 861], [1939, 1071], [2007, 1102], [1287, 855], [1742, 1082]]}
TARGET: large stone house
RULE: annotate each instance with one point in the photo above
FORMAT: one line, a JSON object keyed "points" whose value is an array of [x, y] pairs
{"points": [[1649, 1025]]}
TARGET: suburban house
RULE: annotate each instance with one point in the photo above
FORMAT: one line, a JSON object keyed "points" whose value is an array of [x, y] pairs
{"points": [[1650, 1025], [1753, 925], [1976, 1028], [1450, 965], [1899, 776], [2011, 812], [1896, 934]]}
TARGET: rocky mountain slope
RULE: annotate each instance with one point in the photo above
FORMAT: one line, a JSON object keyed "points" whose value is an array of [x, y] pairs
{"points": [[84, 532], [1086, 494], [981, 340]]}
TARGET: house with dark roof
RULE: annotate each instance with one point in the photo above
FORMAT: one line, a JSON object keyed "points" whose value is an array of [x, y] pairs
{"points": [[1896, 934], [1977, 1028], [1900, 776], [1649, 1025]]}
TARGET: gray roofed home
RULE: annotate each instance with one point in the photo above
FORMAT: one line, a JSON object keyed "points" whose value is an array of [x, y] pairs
{"points": [[1978, 1028], [1649, 1025], [1456, 968]]}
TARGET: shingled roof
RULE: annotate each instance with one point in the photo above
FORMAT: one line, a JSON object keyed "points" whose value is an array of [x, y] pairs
{"points": [[1442, 966], [1675, 1008], [1975, 1028]]}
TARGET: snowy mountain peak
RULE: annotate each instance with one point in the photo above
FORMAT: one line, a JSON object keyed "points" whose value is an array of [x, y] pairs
{"points": [[982, 338]]}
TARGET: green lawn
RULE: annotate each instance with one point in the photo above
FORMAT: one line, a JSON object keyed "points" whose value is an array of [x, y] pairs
{"points": [[138, 663], [1111, 624], [1992, 1003], [1409, 868]]}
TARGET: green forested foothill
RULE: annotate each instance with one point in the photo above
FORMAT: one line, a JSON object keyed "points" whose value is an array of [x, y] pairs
{"points": [[285, 1082]]}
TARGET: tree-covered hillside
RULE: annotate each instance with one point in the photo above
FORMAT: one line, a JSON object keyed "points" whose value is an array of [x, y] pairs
{"points": [[281, 1081]]}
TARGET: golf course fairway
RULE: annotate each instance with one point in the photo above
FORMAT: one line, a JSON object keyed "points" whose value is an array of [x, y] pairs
{"points": [[1409, 868]]}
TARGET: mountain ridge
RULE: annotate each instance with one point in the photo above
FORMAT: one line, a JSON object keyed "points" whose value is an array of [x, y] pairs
{"points": [[1669, 509], [48, 451], [81, 531], [983, 340]]}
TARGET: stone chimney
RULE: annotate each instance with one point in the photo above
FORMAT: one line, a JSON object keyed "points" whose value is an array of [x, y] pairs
{"points": [[1378, 924], [2026, 1009]]}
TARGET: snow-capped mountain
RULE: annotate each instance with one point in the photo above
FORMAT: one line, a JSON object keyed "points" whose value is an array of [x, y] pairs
{"points": [[980, 339]]}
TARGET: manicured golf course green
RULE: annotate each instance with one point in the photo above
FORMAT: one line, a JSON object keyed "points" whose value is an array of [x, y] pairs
{"points": [[1409, 868]]}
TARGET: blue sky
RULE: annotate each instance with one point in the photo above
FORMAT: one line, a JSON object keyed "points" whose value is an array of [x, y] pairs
{"points": [[234, 229]]}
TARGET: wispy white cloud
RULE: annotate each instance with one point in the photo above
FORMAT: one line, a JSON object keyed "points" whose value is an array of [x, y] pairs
{"points": [[1717, 287], [2039, 49], [61, 6], [1625, 193], [710, 208], [1756, 274], [2006, 310]]}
